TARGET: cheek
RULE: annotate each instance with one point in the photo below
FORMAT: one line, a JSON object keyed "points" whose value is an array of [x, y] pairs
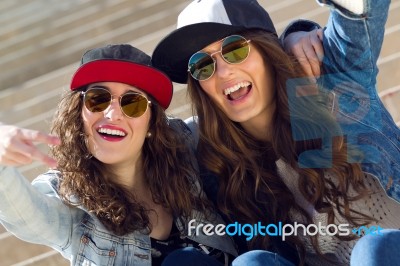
{"points": [[267, 79], [209, 88], [262, 73], [140, 126], [88, 119], [206, 86], [254, 63]]}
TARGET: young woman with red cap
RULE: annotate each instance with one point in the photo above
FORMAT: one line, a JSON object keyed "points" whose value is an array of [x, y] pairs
{"points": [[124, 185], [278, 151]]}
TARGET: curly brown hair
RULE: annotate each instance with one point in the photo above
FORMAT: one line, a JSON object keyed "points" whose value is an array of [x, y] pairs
{"points": [[250, 189], [170, 174]]}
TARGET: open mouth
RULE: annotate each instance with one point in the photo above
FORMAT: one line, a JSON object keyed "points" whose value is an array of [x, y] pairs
{"points": [[238, 91], [111, 133]]}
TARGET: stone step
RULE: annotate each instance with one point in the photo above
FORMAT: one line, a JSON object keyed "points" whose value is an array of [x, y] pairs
{"points": [[7, 5], [29, 38], [15, 13], [15, 96], [392, 39], [50, 258], [391, 99], [63, 17], [9, 254], [391, 67], [66, 47]]}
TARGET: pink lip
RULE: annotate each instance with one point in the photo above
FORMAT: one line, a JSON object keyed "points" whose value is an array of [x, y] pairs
{"points": [[111, 138]]}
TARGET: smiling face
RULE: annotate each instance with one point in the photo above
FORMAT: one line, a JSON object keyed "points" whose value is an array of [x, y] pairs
{"points": [[114, 138], [245, 92]]}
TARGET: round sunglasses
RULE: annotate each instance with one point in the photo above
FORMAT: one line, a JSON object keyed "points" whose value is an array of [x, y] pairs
{"points": [[234, 50], [132, 104]]}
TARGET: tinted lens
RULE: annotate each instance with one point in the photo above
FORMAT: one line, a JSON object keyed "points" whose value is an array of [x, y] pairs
{"points": [[235, 49], [201, 66], [133, 104], [97, 100]]}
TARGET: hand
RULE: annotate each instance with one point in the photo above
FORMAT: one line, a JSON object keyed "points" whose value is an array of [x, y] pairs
{"points": [[307, 48], [17, 146]]}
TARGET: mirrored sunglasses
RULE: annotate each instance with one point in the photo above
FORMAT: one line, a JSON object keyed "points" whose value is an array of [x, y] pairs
{"points": [[234, 50], [132, 104]]}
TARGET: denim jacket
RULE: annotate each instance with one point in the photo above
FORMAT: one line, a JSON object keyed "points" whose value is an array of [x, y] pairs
{"points": [[35, 213], [352, 44]]}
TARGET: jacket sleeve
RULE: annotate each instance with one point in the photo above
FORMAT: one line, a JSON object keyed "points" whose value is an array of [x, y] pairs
{"points": [[34, 213], [352, 42]]}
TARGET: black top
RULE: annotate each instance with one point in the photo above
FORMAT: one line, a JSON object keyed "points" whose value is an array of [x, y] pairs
{"points": [[162, 248], [282, 248]]}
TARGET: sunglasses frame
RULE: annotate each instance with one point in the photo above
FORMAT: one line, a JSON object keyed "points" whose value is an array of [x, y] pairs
{"points": [[219, 52], [83, 93]]}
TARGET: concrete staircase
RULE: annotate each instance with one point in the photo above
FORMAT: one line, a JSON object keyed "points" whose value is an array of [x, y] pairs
{"points": [[41, 43]]}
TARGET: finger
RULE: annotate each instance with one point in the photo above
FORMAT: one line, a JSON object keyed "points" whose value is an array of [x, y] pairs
{"points": [[10, 162], [44, 158], [38, 155], [320, 34], [313, 61], [31, 152], [37, 136], [306, 66], [317, 45], [299, 53], [15, 159]]}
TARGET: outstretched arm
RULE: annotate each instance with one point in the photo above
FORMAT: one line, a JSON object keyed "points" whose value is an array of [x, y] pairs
{"points": [[353, 41], [27, 211]]}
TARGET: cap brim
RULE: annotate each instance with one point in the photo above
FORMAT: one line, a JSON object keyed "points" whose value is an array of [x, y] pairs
{"points": [[145, 78], [173, 52]]}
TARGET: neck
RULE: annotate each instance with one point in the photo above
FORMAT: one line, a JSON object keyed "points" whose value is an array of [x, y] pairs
{"points": [[260, 126], [130, 174]]}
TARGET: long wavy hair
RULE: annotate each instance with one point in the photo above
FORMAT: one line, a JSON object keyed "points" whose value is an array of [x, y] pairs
{"points": [[87, 182], [250, 189]]}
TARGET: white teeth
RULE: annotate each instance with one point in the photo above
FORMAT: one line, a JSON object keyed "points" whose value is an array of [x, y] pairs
{"points": [[112, 132], [236, 87]]}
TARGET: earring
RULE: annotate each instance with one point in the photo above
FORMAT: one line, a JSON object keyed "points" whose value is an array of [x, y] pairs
{"points": [[148, 135]]}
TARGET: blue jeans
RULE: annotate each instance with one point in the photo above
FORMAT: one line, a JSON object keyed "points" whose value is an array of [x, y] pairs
{"points": [[189, 256], [193, 257], [260, 258], [377, 250], [352, 45]]}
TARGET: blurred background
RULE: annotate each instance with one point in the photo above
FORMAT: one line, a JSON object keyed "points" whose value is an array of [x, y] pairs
{"points": [[41, 43]]}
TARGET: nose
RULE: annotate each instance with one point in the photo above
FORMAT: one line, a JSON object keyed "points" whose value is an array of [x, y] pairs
{"points": [[113, 112], [222, 68]]}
